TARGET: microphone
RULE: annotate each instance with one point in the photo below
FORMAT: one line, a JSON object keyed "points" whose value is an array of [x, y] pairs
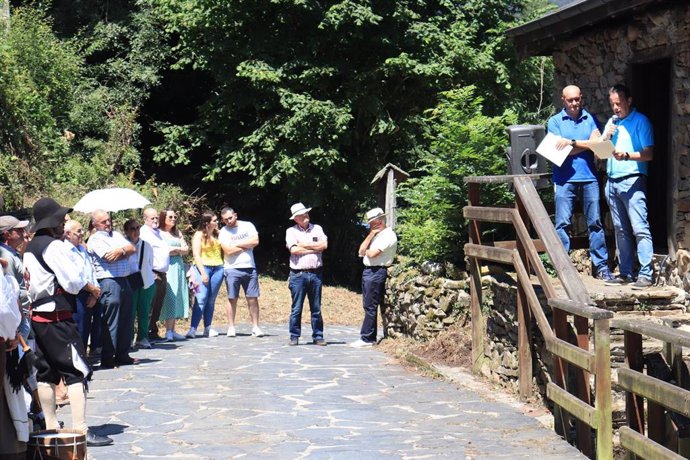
{"points": [[612, 121]]}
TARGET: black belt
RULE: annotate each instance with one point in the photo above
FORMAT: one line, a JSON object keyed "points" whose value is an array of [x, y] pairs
{"points": [[310, 270], [375, 267], [619, 179]]}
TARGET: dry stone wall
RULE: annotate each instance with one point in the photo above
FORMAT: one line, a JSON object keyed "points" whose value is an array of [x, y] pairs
{"points": [[421, 303]]}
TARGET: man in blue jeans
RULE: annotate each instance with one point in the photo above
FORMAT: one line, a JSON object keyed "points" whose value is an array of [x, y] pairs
{"points": [[576, 177], [306, 243], [626, 189]]}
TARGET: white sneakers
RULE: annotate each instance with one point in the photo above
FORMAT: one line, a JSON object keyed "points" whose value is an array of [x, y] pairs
{"points": [[210, 332], [231, 331], [172, 336], [192, 333], [361, 344], [257, 332]]}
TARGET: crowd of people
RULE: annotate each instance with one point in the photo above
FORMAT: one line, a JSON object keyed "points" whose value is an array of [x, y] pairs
{"points": [[86, 299]]}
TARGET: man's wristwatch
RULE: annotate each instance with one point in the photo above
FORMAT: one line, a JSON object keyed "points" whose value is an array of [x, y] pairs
{"points": [[627, 156], [572, 142]]}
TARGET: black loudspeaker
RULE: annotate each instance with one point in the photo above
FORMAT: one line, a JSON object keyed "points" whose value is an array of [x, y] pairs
{"points": [[522, 153]]}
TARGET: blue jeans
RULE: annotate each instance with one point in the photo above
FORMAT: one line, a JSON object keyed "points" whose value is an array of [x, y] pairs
{"points": [[305, 284], [628, 202], [205, 299], [373, 289], [588, 192], [88, 321]]}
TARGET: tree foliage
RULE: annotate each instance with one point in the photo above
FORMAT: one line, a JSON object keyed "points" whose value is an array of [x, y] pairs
{"points": [[464, 142]]}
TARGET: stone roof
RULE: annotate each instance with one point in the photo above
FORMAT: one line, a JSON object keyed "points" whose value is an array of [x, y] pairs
{"points": [[539, 37]]}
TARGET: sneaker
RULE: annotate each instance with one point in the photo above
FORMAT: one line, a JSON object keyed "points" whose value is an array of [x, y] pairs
{"points": [[605, 275], [168, 336], [177, 336], [619, 280], [96, 440], [144, 343], [210, 332], [294, 341], [257, 332], [231, 331], [361, 344], [320, 342], [642, 283], [191, 334]]}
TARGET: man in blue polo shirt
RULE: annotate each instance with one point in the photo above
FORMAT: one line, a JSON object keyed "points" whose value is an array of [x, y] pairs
{"points": [[577, 177], [626, 189]]}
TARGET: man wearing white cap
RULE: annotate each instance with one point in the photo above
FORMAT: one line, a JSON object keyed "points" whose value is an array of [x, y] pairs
{"points": [[378, 251], [306, 243], [12, 232]]}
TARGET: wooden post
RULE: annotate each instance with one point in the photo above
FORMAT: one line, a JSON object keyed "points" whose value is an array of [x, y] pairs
{"points": [[602, 387], [478, 323], [390, 199], [524, 318], [634, 405], [4, 13], [584, 432]]}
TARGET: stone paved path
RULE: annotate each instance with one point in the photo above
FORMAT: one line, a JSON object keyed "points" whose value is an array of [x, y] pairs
{"points": [[248, 397]]}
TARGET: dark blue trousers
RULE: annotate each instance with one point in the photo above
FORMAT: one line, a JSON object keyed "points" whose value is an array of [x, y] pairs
{"points": [[373, 289], [116, 298]]}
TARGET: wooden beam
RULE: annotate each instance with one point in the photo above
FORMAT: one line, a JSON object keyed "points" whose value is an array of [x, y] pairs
{"points": [[580, 309], [505, 179], [535, 306], [634, 404], [488, 214], [524, 321], [570, 278], [503, 256], [512, 244], [602, 388], [657, 331], [572, 404], [644, 447], [666, 394], [575, 355]]}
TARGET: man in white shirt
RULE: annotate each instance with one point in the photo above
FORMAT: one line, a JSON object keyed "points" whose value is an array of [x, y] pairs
{"points": [[377, 252], [150, 232], [238, 238]]}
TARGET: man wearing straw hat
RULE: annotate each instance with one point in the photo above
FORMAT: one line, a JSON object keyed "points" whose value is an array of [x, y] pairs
{"points": [[306, 242], [54, 282], [377, 252]]}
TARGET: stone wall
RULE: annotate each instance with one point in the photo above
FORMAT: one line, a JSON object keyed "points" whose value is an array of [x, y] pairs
{"points": [[603, 56], [421, 303]]}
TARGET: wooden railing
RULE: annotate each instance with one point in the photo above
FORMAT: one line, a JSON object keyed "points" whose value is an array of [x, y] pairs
{"points": [[528, 213], [661, 396]]}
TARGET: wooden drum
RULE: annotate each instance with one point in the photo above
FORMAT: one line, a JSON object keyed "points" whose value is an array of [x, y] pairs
{"points": [[56, 445]]}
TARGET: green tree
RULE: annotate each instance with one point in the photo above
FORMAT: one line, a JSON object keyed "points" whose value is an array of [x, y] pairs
{"points": [[464, 142]]}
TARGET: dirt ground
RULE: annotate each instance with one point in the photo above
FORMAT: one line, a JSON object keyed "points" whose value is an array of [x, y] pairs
{"points": [[340, 306]]}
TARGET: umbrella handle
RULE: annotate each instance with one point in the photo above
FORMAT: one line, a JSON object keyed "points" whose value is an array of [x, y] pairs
{"points": [[25, 347]]}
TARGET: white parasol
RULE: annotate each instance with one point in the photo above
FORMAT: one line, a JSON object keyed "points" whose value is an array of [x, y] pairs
{"points": [[111, 200]]}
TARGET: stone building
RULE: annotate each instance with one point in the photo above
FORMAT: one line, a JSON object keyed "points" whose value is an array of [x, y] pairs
{"points": [[646, 45]]}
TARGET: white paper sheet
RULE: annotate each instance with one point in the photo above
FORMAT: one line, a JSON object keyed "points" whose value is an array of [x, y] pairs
{"points": [[548, 149]]}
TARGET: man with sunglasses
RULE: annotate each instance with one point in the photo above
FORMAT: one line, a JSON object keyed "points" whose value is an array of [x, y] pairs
{"points": [[577, 177]]}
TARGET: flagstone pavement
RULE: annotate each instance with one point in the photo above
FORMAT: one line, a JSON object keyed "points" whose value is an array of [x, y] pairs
{"points": [[249, 397]]}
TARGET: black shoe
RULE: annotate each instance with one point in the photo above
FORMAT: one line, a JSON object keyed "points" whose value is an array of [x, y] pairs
{"points": [[294, 341], [125, 361], [107, 364], [619, 280], [95, 440], [320, 342], [642, 283]]}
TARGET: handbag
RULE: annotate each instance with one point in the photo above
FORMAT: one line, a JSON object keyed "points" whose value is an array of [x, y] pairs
{"points": [[136, 281]]}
